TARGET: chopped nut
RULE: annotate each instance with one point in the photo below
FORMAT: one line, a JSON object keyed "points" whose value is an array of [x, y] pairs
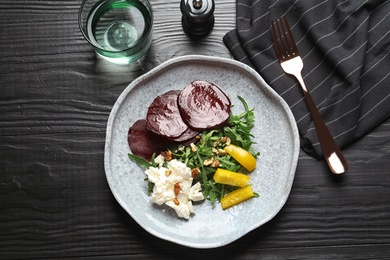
{"points": [[222, 152], [167, 155], [216, 143], [207, 162], [176, 201], [211, 162], [226, 140], [168, 172], [214, 150], [176, 188], [195, 172], [193, 147], [215, 163]]}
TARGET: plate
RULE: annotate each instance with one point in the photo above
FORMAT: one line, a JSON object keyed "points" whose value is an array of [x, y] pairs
{"points": [[275, 133]]}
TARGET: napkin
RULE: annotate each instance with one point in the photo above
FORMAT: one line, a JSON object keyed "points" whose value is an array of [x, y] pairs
{"points": [[345, 47]]}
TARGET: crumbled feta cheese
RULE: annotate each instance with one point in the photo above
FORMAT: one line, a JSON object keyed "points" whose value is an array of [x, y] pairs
{"points": [[179, 168], [165, 178], [195, 194], [183, 210], [159, 160]]}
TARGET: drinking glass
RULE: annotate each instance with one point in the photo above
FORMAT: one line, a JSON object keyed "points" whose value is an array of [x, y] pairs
{"points": [[119, 30]]}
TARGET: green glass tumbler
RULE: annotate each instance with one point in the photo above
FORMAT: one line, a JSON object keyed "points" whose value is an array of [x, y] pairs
{"points": [[120, 31]]}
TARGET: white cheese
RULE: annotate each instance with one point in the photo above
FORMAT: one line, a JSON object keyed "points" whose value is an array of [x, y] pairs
{"points": [[165, 179], [183, 210], [195, 194], [159, 160]]}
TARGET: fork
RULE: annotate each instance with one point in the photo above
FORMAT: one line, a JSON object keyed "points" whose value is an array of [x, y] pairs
{"points": [[290, 61]]}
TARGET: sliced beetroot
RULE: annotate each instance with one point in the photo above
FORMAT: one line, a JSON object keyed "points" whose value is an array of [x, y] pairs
{"points": [[144, 143], [204, 106], [187, 137], [163, 116]]}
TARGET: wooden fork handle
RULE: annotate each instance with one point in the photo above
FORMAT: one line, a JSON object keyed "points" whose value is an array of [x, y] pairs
{"points": [[334, 158]]}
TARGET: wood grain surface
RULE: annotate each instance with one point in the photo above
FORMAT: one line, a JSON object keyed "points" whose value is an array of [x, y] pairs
{"points": [[55, 99]]}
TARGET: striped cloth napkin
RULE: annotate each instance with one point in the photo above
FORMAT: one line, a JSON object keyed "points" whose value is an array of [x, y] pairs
{"points": [[345, 47]]}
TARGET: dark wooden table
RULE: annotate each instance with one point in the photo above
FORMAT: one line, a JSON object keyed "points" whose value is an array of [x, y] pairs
{"points": [[55, 99]]}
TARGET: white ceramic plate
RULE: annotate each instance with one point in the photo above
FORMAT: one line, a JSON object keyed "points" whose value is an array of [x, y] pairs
{"points": [[275, 132]]}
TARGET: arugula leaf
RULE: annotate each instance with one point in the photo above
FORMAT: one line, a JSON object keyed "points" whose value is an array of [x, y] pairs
{"points": [[240, 126], [141, 161]]}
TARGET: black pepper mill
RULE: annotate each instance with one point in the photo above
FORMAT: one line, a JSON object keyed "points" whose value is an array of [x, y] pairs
{"points": [[197, 17]]}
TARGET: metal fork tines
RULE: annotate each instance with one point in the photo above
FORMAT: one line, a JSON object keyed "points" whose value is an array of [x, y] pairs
{"points": [[290, 61]]}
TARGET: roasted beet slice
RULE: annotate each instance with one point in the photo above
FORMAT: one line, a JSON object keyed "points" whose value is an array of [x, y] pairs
{"points": [[203, 106], [187, 137], [163, 117], [144, 143]]}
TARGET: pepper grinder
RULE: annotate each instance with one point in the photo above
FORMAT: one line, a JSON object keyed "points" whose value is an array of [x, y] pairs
{"points": [[197, 17]]}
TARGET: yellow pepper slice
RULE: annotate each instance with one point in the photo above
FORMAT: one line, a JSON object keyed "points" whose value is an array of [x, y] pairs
{"points": [[237, 196], [231, 178], [242, 156]]}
